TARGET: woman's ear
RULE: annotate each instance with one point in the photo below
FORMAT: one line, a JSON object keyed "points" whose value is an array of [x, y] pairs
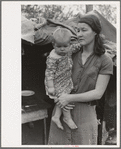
{"points": [[95, 33]]}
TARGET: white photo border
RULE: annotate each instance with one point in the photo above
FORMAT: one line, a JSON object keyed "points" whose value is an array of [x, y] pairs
{"points": [[11, 71]]}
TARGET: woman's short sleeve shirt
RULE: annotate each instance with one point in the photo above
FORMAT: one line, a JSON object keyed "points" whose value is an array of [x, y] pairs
{"points": [[85, 76]]}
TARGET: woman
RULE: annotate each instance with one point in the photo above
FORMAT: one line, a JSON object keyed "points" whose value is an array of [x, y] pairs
{"points": [[91, 73]]}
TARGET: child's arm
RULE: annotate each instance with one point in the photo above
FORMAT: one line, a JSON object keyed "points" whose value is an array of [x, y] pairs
{"points": [[51, 89], [49, 75]]}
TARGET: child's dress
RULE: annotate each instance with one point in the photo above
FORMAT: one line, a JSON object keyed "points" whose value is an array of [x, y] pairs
{"points": [[59, 69]]}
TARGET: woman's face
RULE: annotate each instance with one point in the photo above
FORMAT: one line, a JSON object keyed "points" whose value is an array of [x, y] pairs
{"points": [[85, 34]]}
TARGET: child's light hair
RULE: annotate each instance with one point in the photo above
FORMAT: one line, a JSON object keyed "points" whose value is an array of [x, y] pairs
{"points": [[62, 34]]}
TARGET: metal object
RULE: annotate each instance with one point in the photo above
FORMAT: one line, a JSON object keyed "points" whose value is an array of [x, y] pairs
{"points": [[27, 106]]}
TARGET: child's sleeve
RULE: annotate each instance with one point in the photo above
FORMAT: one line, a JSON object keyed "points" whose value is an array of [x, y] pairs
{"points": [[50, 68], [75, 47]]}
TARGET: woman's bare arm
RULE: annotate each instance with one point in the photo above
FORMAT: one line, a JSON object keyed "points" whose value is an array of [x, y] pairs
{"points": [[95, 94]]}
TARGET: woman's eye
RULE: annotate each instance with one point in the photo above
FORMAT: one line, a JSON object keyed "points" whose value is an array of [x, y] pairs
{"points": [[84, 30], [77, 29]]}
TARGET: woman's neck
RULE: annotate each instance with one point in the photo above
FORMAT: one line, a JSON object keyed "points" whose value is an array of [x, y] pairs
{"points": [[88, 48]]}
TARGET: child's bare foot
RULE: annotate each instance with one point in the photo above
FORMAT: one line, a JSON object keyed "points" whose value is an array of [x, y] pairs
{"points": [[70, 123], [57, 122]]}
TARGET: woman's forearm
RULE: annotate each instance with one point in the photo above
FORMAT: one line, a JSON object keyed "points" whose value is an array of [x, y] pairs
{"points": [[88, 96], [81, 97], [85, 97]]}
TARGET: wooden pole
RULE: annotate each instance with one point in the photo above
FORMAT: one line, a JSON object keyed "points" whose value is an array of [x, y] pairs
{"points": [[89, 8]]}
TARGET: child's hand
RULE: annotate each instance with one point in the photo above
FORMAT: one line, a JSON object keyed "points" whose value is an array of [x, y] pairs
{"points": [[51, 91]]}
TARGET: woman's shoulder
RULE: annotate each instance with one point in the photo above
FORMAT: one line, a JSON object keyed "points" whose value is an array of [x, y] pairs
{"points": [[106, 57], [106, 64]]}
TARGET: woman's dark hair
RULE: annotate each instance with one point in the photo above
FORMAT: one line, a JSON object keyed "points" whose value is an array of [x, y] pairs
{"points": [[99, 48], [93, 21]]}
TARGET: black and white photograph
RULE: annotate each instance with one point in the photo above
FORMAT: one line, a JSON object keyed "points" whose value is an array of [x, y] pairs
{"points": [[60, 74]]}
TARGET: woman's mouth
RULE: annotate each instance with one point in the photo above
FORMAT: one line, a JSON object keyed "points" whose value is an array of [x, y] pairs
{"points": [[80, 39]]}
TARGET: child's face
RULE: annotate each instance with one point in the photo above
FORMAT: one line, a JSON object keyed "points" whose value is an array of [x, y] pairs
{"points": [[62, 48]]}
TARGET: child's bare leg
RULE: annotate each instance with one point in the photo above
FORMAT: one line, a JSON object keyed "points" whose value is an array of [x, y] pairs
{"points": [[56, 117], [68, 119]]}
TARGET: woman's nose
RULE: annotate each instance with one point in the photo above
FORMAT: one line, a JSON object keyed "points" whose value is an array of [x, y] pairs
{"points": [[79, 34]]}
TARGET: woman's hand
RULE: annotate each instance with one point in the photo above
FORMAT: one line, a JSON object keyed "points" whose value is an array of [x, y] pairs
{"points": [[65, 108], [69, 107], [63, 100]]}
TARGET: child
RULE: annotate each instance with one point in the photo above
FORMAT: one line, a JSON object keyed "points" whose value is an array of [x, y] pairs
{"points": [[58, 73]]}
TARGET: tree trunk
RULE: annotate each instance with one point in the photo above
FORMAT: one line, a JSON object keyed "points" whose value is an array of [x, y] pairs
{"points": [[89, 8]]}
